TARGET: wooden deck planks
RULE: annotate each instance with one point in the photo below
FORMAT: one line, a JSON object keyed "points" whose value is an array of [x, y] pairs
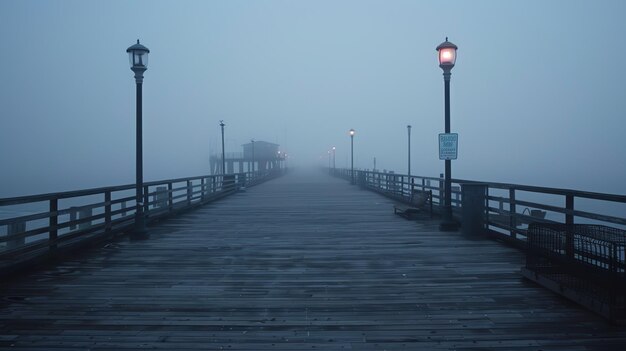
{"points": [[303, 262]]}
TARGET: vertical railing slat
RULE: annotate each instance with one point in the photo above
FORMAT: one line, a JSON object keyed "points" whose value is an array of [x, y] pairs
{"points": [[107, 211], [189, 191], [569, 225], [53, 223], [513, 214], [170, 196]]}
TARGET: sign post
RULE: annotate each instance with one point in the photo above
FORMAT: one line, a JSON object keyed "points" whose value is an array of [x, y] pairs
{"points": [[448, 146]]}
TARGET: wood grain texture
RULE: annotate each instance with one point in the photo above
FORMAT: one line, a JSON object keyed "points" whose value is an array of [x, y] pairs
{"points": [[304, 262]]}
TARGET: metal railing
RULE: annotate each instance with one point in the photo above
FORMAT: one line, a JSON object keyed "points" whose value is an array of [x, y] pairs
{"points": [[510, 208], [37, 225]]}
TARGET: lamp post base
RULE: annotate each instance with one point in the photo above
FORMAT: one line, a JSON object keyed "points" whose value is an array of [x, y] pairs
{"points": [[448, 224]]}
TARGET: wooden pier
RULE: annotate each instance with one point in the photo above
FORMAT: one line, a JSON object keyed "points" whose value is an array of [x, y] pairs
{"points": [[303, 262]]}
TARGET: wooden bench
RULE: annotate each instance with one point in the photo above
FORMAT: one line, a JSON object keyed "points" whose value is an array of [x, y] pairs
{"points": [[419, 200]]}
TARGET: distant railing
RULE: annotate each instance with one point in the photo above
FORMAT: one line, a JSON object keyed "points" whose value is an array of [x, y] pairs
{"points": [[510, 208], [34, 226]]}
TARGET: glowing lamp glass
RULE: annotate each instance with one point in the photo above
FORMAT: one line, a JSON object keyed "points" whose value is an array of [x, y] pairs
{"points": [[351, 132], [447, 56]]}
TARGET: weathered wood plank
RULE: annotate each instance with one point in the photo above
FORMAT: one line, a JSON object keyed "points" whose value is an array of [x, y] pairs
{"points": [[302, 262]]}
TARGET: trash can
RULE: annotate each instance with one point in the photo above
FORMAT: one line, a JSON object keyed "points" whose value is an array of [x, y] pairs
{"points": [[473, 209]]}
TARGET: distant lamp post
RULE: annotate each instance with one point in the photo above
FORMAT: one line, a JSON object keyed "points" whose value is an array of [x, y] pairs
{"points": [[329, 169], [351, 132], [334, 157], [447, 59], [253, 165], [408, 128], [223, 152], [138, 55]]}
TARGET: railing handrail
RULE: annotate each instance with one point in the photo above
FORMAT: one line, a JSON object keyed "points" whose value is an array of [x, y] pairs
{"points": [[521, 187], [549, 190], [32, 234], [17, 200]]}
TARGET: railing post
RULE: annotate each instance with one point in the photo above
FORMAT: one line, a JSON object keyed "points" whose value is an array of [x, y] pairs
{"points": [[241, 179], [441, 190], [107, 211], [202, 189], [189, 192], [53, 222], [73, 214], [569, 225], [170, 197], [512, 214], [146, 201]]}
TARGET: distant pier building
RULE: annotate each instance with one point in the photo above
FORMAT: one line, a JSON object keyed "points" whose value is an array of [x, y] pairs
{"points": [[256, 156]]}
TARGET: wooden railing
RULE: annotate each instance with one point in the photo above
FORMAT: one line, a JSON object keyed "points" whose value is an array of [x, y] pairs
{"points": [[35, 226], [509, 207]]}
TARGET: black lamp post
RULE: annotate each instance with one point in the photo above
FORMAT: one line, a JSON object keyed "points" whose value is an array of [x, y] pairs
{"points": [[223, 153], [447, 58], [253, 166], [408, 128], [334, 154], [352, 156], [138, 55]]}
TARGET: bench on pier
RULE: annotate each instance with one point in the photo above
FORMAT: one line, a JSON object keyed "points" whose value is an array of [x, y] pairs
{"points": [[420, 200]]}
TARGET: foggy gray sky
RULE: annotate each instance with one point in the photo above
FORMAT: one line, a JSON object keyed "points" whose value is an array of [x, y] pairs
{"points": [[537, 92]]}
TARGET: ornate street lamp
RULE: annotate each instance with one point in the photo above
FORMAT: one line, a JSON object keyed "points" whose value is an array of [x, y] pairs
{"points": [[447, 59], [351, 132], [138, 55]]}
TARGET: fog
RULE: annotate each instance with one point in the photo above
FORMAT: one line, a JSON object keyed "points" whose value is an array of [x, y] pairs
{"points": [[537, 93]]}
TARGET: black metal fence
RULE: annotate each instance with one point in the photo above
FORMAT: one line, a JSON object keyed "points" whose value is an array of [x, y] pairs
{"points": [[583, 262], [35, 226]]}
